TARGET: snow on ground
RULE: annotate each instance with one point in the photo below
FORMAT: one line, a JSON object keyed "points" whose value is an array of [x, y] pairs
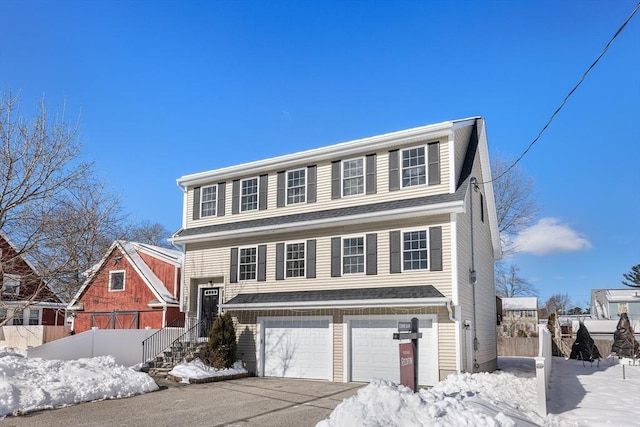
{"points": [[198, 370], [579, 395], [33, 384]]}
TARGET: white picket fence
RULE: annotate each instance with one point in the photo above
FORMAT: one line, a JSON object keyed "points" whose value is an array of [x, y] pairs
{"points": [[125, 345], [544, 362]]}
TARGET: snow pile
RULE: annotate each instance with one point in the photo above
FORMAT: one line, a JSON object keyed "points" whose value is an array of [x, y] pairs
{"points": [[32, 384], [198, 370]]}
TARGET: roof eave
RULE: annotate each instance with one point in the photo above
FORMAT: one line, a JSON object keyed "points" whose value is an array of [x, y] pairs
{"points": [[362, 303]]}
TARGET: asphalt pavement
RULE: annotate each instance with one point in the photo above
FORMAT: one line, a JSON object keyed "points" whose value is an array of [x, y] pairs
{"points": [[243, 402]]}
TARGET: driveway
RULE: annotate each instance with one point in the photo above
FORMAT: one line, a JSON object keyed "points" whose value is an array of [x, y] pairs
{"points": [[242, 402]]}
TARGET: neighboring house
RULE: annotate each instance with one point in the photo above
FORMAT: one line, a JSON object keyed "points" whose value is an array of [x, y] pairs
{"points": [[519, 317], [318, 255], [134, 286], [609, 304], [19, 281]]}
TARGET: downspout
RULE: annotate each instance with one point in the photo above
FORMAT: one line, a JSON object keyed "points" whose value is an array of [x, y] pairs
{"points": [[473, 277]]}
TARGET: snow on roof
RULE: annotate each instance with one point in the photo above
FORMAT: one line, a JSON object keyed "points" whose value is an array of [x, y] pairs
{"points": [[520, 303], [131, 249], [623, 294]]}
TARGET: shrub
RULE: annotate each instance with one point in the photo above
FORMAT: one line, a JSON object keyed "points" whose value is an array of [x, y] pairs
{"points": [[222, 347]]}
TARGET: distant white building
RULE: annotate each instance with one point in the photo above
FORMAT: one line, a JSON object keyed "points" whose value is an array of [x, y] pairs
{"points": [[519, 316], [608, 304]]}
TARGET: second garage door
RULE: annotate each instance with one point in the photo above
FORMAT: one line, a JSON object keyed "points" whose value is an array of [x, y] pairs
{"points": [[297, 347], [375, 354]]}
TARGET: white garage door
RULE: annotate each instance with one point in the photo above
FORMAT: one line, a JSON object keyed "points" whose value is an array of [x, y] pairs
{"points": [[297, 348], [375, 354]]}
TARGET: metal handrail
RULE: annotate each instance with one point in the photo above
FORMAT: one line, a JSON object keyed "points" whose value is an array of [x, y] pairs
{"points": [[161, 340], [177, 340]]}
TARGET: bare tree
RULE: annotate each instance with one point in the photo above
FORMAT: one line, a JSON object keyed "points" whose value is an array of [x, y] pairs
{"points": [[515, 204], [151, 233], [55, 214], [558, 303], [509, 284]]}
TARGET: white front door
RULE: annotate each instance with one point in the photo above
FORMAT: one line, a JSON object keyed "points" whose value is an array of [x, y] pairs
{"points": [[373, 353], [296, 347]]}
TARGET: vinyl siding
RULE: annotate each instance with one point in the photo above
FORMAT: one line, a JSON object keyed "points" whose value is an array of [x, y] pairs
{"points": [[323, 185]]}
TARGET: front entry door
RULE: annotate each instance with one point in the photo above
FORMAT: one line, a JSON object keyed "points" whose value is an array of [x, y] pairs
{"points": [[209, 300]]}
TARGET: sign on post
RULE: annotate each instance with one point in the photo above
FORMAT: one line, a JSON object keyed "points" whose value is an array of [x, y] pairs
{"points": [[408, 352]]}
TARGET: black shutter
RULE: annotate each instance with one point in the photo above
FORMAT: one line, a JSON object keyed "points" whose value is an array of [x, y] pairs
{"points": [[263, 191], [262, 263], [335, 179], [193, 296], [281, 189], [372, 254], [311, 184], [433, 150], [280, 261], [233, 270], [336, 250], [394, 170], [196, 203], [311, 259], [435, 248], [371, 184], [235, 196], [395, 252], [221, 198]]}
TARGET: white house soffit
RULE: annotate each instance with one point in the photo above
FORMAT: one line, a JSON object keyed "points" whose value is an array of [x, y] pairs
{"points": [[345, 149], [413, 212], [400, 302]]}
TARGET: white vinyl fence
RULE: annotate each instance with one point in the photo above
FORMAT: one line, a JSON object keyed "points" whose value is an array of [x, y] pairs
{"points": [[125, 345], [544, 361]]}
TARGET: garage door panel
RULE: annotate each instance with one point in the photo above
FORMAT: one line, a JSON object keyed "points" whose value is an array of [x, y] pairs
{"points": [[297, 348], [374, 352]]}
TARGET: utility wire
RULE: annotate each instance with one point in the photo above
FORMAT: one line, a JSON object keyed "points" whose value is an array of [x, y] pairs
{"points": [[566, 98]]}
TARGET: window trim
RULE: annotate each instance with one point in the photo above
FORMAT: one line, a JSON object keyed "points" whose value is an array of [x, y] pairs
{"points": [[124, 280], [425, 165], [240, 264], [413, 230], [31, 318], [364, 176], [364, 254], [304, 260], [286, 187], [257, 194], [214, 201]]}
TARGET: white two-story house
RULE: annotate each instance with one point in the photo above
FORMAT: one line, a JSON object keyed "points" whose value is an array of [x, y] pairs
{"points": [[319, 254]]}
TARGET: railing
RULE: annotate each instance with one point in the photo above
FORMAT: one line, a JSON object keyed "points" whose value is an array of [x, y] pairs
{"points": [[175, 341]]}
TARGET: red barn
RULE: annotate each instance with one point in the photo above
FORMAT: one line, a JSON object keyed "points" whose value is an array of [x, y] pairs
{"points": [[134, 286]]}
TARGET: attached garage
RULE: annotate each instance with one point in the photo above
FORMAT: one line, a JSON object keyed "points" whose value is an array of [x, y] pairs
{"points": [[296, 347], [371, 351]]}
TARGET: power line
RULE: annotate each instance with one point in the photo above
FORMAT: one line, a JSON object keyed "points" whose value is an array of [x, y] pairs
{"points": [[566, 98]]}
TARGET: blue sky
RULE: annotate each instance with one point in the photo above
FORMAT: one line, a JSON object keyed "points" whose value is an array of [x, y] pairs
{"points": [[168, 88]]}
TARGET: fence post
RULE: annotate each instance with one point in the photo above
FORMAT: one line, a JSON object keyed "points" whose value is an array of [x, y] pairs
{"points": [[541, 386], [93, 340]]}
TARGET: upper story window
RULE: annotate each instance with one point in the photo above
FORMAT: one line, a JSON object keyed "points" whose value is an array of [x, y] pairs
{"points": [[34, 316], [295, 260], [249, 194], [296, 186], [208, 200], [247, 263], [413, 167], [414, 250], [353, 255], [353, 177], [116, 280], [11, 284]]}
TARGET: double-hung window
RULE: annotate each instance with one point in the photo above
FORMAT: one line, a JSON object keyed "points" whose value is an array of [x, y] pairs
{"points": [[116, 280], [34, 317], [353, 177], [414, 250], [18, 318], [353, 255], [208, 199], [248, 263], [414, 167], [249, 194], [295, 260], [296, 186]]}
